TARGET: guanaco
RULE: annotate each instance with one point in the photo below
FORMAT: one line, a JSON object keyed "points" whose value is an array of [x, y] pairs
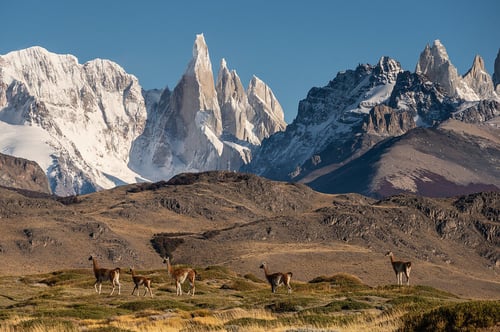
{"points": [[102, 274], [141, 280], [277, 279], [400, 268], [180, 275]]}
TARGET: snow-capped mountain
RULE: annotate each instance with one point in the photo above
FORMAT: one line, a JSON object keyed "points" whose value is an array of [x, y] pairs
{"points": [[80, 119], [339, 123], [202, 126], [325, 119], [91, 126]]}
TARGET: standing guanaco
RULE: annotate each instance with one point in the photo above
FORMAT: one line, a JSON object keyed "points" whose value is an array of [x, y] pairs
{"points": [[400, 268], [102, 274], [141, 280], [277, 279], [180, 275]]}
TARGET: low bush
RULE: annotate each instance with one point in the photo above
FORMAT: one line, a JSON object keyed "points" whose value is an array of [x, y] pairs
{"points": [[468, 316]]}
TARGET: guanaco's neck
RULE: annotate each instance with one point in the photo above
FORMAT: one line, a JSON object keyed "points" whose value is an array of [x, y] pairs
{"points": [[169, 267], [265, 271], [133, 272], [392, 258], [94, 263]]}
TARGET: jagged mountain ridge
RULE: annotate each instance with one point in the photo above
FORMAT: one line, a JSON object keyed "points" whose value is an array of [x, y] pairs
{"points": [[205, 126], [91, 126], [216, 124], [359, 108]]}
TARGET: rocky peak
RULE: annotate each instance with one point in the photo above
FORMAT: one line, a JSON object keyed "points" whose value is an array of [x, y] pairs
{"points": [[496, 73], [194, 101], [479, 80], [268, 115], [435, 64], [200, 62], [387, 70], [233, 103]]}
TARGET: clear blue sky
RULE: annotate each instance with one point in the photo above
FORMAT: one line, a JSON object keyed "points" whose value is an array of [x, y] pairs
{"points": [[290, 45]]}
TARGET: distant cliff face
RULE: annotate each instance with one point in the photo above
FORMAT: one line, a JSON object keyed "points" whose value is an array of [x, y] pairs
{"points": [[22, 174]]}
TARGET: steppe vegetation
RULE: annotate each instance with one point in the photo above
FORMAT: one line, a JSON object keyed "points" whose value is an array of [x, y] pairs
{"points": [[226, 301]]}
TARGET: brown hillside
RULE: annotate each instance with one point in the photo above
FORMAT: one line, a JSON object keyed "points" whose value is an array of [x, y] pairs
{"points": [[239, 220], [452, 159]]}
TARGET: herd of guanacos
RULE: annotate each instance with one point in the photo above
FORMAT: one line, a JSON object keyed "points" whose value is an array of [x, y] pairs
{"points": [[181, 274]]}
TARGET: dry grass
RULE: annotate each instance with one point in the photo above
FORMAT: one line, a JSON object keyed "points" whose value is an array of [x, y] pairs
{"points": [[66, 301]]}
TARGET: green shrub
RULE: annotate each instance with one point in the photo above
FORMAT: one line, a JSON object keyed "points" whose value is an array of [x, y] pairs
{"points": [[348, 304], [253, 277], [284, 306], [468, 316], [239, 285], [342, 281]]}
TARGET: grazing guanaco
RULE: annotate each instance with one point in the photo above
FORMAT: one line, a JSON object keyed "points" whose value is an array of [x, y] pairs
{"points": [[102, 274], [141, 280], [277, 279], [400, 268], [180, 275]]}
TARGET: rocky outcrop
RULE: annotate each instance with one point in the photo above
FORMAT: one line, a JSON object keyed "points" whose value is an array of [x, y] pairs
{"points": [[422, 98], [479, 112], [386, 121], [20, 173]]}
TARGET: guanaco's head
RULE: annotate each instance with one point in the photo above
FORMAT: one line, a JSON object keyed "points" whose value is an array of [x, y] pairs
{"points": [[166, 260], [91, 258], [263, 265], [389, 253]]}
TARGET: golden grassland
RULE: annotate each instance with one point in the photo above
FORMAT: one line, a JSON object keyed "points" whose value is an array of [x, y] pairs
{"points": [[225, 301]]}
